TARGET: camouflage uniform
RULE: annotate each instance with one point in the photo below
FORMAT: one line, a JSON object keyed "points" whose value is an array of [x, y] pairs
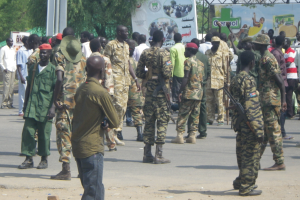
{"points": [[118, 53], [34, 57], [135, 99], [74, 75], [108, 84], [155, 109], [219, 63], [254, 71], [243, 89], [55, 49], [191, 97], [270, 100]]}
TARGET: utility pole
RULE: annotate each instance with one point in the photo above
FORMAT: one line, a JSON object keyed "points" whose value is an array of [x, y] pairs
{"points": [[56, 16]]}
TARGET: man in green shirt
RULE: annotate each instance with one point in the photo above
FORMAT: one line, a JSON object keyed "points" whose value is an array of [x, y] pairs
{"points": [[93, 103], [39, 109], [177, 59]]}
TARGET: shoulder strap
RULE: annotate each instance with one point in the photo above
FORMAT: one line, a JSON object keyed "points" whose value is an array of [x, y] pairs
{"points": [[32, 79]]}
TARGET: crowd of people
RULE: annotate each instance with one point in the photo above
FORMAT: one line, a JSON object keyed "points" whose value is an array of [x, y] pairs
{"points": [[88, 86]]}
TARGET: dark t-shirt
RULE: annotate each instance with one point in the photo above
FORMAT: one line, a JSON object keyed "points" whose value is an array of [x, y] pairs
{"points": [[281, 62]]}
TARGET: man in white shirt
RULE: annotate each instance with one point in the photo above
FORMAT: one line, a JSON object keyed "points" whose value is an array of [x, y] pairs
{"points": [[85, 44], [139, 49], [207, 45], [8, 67]]}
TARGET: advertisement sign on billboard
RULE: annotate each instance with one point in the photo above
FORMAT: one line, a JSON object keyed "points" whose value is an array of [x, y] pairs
{"points": [[251, 20], [17, 39], [169, 16]]}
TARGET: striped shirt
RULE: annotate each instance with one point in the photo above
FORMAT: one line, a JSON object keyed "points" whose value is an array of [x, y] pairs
{"points": [[291, 70]]}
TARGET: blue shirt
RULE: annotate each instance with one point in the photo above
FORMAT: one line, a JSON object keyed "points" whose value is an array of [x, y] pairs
{"points": [[22, 56]]}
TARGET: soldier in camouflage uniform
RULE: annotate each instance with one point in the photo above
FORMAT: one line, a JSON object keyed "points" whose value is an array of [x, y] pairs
{"points": [[156, 110], [33, 43], [56, 47], [108, 83], [135, 98], [246, 43], [118, 52], [219, 58], [272, 96], [70, 71], [243, 89], [190, 95]]}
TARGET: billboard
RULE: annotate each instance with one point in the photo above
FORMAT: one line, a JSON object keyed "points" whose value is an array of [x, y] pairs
{"points": [[251, 20], [169, 16], [17, 39]]}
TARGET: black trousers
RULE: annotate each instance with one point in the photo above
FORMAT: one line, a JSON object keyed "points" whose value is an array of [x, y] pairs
{"points": [[176, 87], [289, 94]]}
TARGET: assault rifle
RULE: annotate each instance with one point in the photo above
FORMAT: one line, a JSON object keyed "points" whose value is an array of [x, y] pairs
{"points": [[240, 109]]}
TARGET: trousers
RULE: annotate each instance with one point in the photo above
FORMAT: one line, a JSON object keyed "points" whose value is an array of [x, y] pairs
{"points": [[202, 127], [271, 115], [136, 113], [8, 88], [156, 112], [120, 102], [248, 157], [215, 97], [63, 134], [292, 83], [28, 144], [189, 110], [176, 87], [22, 88], [91, 175]]}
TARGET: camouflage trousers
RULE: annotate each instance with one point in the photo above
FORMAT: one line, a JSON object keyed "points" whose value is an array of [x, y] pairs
{"points": [[120, 99], [271, 115], [63, 134], [189, 110], [155, 110], [136, 113], [248, 157], [214, 97]]}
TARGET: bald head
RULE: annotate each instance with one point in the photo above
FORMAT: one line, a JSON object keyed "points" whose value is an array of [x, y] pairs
{"points": [[95, 66], [122, 33]]}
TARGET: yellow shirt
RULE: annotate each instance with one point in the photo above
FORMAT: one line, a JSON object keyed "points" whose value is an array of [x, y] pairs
{"points": [[254, 30]]}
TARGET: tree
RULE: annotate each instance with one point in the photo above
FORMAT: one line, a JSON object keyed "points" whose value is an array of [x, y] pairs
{"points": [[99, 17], [13, 17], [202, 16]]}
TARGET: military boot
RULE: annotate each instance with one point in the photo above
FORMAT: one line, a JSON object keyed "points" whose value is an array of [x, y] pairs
{"points": [[159, 159], [44, 163], [119, 135], [251, 193], [179, 138], [148, 157], [65, 174], [139, 130], [192, 138], [28, 163]]}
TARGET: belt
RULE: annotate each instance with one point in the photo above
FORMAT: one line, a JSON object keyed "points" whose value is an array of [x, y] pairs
{"points": [[154, 77]]}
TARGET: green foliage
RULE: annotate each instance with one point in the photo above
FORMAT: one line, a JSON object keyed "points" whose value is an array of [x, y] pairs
{"points": [[100, 17], [202, 16], [13, 17]]}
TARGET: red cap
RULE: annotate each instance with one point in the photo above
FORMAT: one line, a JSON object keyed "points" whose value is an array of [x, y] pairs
{"points": [[50, 40], [45, 46], [191, 45], [59, 36]]}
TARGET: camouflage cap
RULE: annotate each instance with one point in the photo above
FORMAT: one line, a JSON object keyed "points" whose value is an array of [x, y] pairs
{"points": [[247, 39], [262, 39], [215, 39]]}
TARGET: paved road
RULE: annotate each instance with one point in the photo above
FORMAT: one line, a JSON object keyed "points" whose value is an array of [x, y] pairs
{"points": [[201, 171]]}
